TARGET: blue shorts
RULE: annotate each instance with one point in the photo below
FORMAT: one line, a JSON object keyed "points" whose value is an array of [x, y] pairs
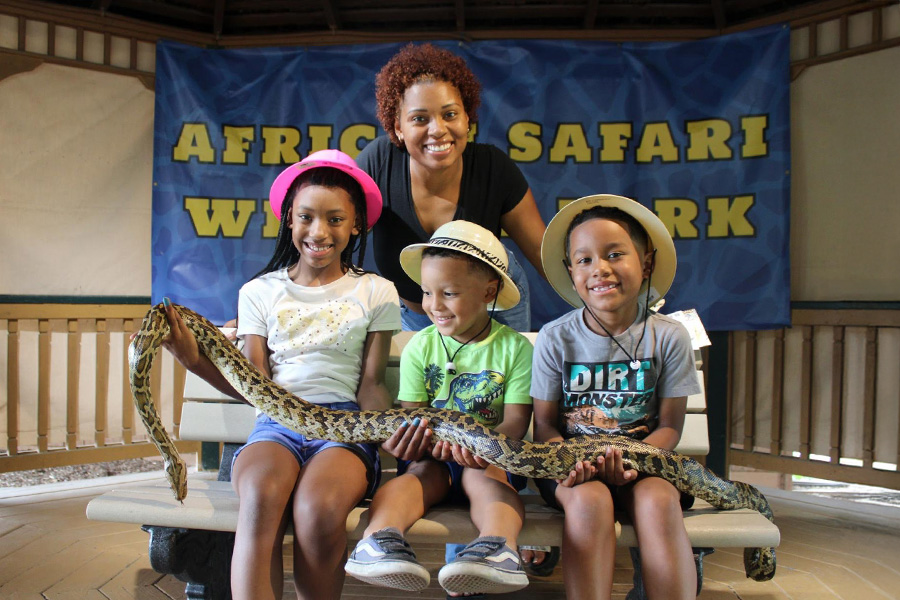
{"points": [[303, 448], [456, 494]]}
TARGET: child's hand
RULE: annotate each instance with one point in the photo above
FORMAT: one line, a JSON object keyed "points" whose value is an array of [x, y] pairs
{"points": [[180, 341], [445, 451], [230, 330], [583, 471], [409, 442], [442, 451], [611, 468]]}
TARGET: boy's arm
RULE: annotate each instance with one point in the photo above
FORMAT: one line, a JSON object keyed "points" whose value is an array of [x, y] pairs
{"points": [[671, 423], [546, 415], [516, 419], [611, 467], [517, 402], [546, 419], [372, 393], [679, 380], [412, 440]]}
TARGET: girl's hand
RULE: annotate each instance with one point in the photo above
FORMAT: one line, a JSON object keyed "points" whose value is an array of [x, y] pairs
{"points": [[181, 341], [611, 468], [583, 471], [410, 441], [229, 329]]}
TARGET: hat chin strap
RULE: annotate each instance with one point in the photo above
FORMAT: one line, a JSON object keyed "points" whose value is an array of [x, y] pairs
{"points": [[633, 362]]}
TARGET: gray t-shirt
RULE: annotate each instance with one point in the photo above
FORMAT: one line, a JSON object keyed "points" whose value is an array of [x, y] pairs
{"points": [[589, 375]]}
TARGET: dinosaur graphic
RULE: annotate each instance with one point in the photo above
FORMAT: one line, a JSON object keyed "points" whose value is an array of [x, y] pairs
{"points": [[475, 393]]}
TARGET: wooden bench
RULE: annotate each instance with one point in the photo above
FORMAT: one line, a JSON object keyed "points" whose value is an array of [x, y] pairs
{"points": [[194, 541]]}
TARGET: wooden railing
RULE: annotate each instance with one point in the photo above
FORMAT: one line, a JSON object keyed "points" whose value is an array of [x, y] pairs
{"points": [[820, 398], [68, 400]]}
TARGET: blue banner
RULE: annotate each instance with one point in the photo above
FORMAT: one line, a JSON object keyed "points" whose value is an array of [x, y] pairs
{"points": [[697, 131]]}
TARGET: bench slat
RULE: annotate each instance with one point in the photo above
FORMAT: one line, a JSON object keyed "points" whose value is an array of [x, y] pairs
{"points": [[229, 422], [213, 505], [697, 402]]}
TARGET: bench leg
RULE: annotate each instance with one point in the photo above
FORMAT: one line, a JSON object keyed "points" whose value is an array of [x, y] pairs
{"points": [[228, 451], [638, 592], [202, 559]]}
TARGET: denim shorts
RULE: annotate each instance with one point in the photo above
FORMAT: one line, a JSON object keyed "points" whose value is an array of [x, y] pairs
{"points": [[303, 448], [456, 495]]}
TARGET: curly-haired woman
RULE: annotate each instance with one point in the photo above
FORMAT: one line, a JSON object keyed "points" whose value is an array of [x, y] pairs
{"points": [[430, 173]]}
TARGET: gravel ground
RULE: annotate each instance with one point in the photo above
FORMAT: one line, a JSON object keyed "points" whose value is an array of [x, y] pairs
{"points": [[75, 472], [847, 491]]}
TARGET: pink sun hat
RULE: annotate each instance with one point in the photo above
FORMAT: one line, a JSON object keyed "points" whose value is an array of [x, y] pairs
{"points": [[336, 160]]}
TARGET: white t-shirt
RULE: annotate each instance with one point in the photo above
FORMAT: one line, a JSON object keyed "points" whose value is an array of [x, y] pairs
{"points": [[316, 335]]}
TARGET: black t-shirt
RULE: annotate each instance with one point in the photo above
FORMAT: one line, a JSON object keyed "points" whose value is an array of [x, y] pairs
{"points": [[491, 186]]}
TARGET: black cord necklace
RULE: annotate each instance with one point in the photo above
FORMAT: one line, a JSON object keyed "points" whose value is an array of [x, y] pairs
{"points": [[451, 366], [633, 361]]}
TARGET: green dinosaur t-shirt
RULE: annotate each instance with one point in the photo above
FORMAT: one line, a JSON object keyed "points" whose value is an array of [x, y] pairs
{"points": [[489, 373]]}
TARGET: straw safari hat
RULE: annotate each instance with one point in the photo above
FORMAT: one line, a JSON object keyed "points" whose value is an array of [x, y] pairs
{"points": [[471, 239], [553, 246]]}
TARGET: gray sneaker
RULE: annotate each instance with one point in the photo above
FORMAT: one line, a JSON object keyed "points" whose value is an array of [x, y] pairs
{"points": [[385, 559], [486, 565]]}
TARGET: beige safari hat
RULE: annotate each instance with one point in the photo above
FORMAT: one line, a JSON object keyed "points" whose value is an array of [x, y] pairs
{"points": [[553, 246], [467, 238]]}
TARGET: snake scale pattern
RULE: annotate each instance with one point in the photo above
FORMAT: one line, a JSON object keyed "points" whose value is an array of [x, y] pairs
{"points": [[539, 460]]}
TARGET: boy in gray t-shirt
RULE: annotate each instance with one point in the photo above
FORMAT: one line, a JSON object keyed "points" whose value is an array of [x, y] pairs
{"points": [[614, 366]]}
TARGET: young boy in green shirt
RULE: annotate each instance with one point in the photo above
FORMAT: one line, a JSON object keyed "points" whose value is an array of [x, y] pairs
{"points": [[469, 362]]}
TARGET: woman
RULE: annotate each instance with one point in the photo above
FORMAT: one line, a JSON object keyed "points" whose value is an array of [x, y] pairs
{"points": [[430, 173]]}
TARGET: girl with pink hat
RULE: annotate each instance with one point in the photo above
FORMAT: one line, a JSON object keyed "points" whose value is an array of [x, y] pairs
{"points": [[321, 327]]}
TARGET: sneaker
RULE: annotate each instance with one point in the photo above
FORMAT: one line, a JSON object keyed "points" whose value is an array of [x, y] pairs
{"points": [[385, 559], [486, 565]]}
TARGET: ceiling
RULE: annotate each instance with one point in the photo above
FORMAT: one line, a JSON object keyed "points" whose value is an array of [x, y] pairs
{"points": [[461, 18]]}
